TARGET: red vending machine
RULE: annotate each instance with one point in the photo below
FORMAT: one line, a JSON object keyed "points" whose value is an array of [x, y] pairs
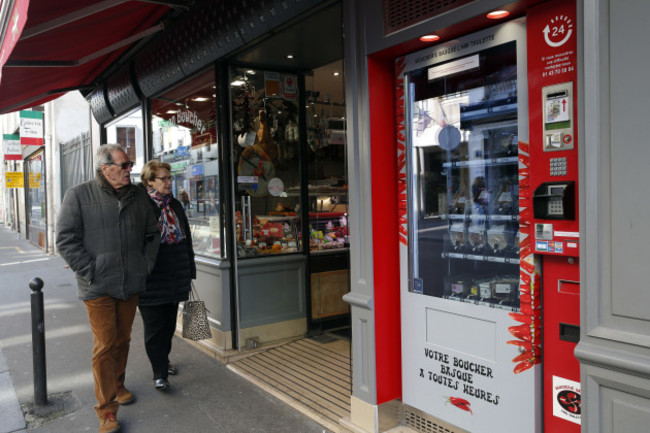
{"points": [[553, 199]]}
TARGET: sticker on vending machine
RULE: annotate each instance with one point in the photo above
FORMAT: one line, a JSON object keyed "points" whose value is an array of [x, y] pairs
{"points": [[567, 399]]}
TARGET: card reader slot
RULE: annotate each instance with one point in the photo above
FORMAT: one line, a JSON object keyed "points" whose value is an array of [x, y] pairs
{"points": [[570, 333]]}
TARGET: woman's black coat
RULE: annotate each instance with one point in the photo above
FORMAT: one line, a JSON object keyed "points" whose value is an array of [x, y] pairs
{"points": [[171, 279]]}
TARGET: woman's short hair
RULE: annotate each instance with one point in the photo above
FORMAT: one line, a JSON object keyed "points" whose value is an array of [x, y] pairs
{"points": [[104, 156], [148, 172]]}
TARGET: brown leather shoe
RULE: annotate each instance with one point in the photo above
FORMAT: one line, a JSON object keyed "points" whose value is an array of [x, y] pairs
{"points": [[124, 396], [108, 423]]}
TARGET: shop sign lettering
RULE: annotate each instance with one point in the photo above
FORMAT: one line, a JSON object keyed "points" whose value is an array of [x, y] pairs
{"points": [[31, 128], [455, 49], [11, 147], [465, 378], [185, 117]]}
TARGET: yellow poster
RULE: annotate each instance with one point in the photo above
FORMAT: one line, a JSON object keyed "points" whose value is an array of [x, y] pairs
{"points": [[14, 179], [34, 180]]}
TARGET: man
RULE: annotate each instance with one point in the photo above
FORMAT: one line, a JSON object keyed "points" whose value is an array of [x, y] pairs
{"points": [[108, 235]]}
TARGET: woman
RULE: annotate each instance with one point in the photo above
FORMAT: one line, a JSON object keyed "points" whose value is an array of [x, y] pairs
{"points": [[171, 279]]}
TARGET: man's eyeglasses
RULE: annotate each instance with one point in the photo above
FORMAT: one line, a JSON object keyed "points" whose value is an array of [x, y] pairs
{"points": [[123, 165], [164, 178]]}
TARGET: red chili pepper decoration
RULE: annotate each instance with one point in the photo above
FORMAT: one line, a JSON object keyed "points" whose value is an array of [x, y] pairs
{"points": [[528, 267], [528, 355], [525, 344], [460, 403], [523, 366], [527, 309], [523, 318], [523, 146], [526, 298], [521, 332]]}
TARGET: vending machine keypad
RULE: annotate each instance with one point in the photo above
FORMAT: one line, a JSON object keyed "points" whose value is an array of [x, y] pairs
{"points": [[558, 167]]}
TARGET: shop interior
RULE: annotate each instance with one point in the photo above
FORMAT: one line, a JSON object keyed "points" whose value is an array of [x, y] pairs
{"points": [[286, 145]]}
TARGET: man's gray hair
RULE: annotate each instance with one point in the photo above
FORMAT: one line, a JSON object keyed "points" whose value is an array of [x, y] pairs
{"points": [[103, 155]]}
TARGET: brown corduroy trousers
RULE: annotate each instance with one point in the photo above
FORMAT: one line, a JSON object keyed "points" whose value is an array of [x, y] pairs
{"points": [[111, 320]]}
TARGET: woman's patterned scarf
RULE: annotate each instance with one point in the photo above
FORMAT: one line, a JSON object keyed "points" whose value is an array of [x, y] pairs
{"points": [[170, 228]]}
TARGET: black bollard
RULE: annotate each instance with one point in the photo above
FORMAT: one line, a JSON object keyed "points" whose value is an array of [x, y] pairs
{"points": [[38, 342]]}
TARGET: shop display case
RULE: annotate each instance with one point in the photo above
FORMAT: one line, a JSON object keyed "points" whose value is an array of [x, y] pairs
{"points": [[265, 150], [465, 143], [269, 184]]}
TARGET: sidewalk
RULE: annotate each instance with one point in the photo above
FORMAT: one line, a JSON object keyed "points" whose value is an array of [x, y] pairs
{"points": [[204, 397]]}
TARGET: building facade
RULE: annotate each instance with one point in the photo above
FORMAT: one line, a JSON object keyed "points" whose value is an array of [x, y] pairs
{"points": [[462, 204]]}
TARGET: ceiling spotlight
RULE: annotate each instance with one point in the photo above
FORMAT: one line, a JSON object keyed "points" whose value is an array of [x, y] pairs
{"points": [[237, 83], [289, 56], [429, 38], [171, 111], [497, 15], [250, 72], [336, 74], [200, 99]]}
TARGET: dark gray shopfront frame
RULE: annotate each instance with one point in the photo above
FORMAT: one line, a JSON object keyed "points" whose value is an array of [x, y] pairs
{"points": [[194, 42]]}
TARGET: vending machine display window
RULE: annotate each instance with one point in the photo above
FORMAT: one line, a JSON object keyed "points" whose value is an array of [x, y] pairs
{"points": [[463, 152]]}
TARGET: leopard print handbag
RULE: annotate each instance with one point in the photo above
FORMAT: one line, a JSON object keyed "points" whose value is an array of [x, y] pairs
{"points": [[195, 318]]}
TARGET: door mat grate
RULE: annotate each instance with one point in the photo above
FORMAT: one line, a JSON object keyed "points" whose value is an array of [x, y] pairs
{"points": [[312, 377]]}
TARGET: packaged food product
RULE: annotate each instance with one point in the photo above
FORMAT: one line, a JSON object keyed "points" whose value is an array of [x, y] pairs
{"points": [[457, 286], [496, 238], [485, 289], [506, 288], [477, 238], [457, 235]]}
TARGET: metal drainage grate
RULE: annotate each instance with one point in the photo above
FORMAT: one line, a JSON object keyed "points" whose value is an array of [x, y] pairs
{"points": [[424, 423]]}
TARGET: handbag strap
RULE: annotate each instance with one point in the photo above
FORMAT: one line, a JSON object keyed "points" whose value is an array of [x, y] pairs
{"points": [[193, 296]]}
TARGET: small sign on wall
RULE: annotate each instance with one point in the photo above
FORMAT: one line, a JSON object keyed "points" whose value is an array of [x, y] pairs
{"points": [[31, 128], [11, 147], [14, 179]]}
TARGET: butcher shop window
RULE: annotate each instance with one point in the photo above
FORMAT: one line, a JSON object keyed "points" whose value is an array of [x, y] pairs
{"points": [[265, 148], [184, 134]]}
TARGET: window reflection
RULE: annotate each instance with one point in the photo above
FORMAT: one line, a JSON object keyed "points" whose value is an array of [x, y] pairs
{"points": [[184, 134], [128, 132], [326, 153]]}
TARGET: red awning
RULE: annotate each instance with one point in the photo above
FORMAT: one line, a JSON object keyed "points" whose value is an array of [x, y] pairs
{"points": [[11, 26], [67, 44]]}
